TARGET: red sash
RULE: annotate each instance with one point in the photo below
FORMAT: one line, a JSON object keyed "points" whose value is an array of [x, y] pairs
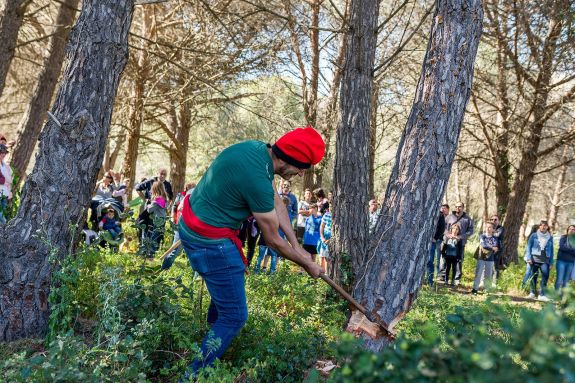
{"points": [[209, 231]]}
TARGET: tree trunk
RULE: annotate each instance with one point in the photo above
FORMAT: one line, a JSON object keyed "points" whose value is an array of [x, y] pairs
{"points": [[529, 152], [309, 180], [181, 123], [555, 198], [10, 22], [373, 141], [68, 151], [390, 276], [136, 117], [330, 118], [111, 155], [352, 139], [32, 122]]}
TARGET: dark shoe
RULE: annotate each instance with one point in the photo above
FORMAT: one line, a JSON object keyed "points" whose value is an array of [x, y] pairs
{"points": [[473, 291]]}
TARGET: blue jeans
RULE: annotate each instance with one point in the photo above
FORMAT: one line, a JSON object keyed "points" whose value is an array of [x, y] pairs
{"points": [[564, 270], [526, 276], [535, 267], [431, 267], [264, 250], [223, 270], [170, 258], [3, 206]]}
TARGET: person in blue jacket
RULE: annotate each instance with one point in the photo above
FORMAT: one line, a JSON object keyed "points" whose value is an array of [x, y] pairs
{"points": [[565, 258], [539, 254]]}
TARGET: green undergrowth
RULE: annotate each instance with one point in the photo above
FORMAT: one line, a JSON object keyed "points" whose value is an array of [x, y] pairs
{"points": [[118, 318]]}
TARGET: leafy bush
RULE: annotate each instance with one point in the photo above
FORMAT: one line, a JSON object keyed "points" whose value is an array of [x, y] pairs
{"points": [[479, 347]]}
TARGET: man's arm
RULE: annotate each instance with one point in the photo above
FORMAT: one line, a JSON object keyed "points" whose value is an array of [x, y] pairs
{"points": [[269, 224], [284, 221]]}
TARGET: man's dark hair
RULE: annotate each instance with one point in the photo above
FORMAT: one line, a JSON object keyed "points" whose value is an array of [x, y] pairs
{"points": [[445, 205], [319, 193]]}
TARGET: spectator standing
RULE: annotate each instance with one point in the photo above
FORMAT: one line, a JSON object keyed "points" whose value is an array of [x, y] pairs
{"points": [[325, 236], [321, 200], [249, 233], [5, 183], [144, 189], [311, 235], [539, 254], [303, 211], [104, 190], [154, 218], [436, 244], [565, 258], [499, 262], [285, 191], [488, 247], [374, 215], [452, 251], [460, 217]]}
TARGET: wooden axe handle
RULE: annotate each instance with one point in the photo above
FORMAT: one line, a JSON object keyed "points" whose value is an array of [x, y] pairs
{"points": [[174, 247], [344, 294]]}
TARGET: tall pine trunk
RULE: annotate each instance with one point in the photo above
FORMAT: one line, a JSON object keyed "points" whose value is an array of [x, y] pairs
{"points": [[10, 23], [60, 186], [352, 139], [35, 114], [390, 276], [136, 118]]}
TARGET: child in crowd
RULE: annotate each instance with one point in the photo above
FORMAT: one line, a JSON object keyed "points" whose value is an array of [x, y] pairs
{"points": [[488, 247], [325, 235], [452, 250], [108, 222], [154, 219], [311, 235]]}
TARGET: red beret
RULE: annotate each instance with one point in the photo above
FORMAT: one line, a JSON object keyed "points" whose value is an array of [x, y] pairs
{"points": [[302, 147]]}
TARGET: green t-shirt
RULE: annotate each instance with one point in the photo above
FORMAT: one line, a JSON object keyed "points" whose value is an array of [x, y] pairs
{"points": [[237, 183]]}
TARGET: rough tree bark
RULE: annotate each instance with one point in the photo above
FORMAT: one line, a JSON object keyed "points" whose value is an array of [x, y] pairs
{"points": [[32, 121], [69, 149], [389, 277], [529, 152], [10, 22], [181, 122], [137, 105], [352, 138]]}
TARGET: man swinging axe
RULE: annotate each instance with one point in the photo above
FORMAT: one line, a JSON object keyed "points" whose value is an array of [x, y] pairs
{"points": [[239, 183]]}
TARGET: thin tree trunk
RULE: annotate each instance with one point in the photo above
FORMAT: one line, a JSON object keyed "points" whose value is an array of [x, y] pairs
{"points": [[136, 117], [179, 149], [35, 114], [330, 118], [111, 155], [555, 198], [352, 139], [529, 153], [69, 150], [373, 140], [390, 275], [485, 198], [311, 101], [10, 23]]}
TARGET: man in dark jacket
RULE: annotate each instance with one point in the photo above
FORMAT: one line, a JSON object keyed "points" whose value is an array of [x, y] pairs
{"points": [[143, 189], [436, 243]]}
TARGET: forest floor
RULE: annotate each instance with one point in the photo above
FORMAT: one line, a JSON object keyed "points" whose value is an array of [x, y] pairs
{"points": [[115, 317]]}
